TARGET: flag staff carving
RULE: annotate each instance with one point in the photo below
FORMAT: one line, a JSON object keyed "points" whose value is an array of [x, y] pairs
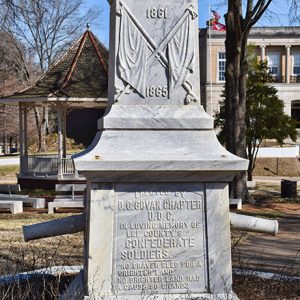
{"points": [[175, 52]]}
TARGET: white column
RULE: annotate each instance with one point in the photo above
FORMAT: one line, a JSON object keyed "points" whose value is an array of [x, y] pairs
{"points": [[21, 136], [287, 63], [263, 52], [64, 124], [60, 138], [25, 166]]}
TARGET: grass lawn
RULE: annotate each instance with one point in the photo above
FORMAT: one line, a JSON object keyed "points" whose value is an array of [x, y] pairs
{"points": [[9, 171], [16, 256], [277, 167], [19, 256]]}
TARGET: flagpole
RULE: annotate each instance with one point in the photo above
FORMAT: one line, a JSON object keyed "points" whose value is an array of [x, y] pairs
{"points": [[210, 60]]}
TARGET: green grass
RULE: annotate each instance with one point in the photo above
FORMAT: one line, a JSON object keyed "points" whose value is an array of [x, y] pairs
{"points": [[9, 171]]}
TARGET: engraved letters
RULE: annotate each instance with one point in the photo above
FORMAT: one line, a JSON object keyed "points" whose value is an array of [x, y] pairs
{"points": [[159, 239]]}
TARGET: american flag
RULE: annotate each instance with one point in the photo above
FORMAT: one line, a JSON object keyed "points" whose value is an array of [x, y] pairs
{"points": [[214, 22]]}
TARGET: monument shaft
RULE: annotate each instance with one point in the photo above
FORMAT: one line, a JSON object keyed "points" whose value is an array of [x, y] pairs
{"points": [[155, 57]]}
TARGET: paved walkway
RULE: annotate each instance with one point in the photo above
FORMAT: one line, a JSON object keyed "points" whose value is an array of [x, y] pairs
{"points": [[274, 178], [278, 254], [9, 161]]}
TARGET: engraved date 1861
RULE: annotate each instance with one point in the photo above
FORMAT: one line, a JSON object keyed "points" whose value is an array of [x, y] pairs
{"points": [[157, 91], [157, 13]]}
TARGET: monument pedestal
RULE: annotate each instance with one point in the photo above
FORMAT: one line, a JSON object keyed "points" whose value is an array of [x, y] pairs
{"points": [[157, 210], [158, 207], [161, 239]]}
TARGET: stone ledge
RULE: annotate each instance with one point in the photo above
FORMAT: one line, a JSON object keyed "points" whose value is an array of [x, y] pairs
{"points": [[204, 296], [152, 150], [172, 117]]}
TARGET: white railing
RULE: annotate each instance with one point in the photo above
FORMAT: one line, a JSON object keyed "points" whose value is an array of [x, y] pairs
{"points": [[68, 166], [46, 165]]}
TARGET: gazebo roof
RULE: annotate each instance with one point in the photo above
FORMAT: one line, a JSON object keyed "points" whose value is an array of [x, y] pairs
{"points": [[80, 75]]}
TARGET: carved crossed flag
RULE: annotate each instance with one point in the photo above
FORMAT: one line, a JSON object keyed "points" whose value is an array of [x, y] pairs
{"points": [[133, 60], [132, 53]]}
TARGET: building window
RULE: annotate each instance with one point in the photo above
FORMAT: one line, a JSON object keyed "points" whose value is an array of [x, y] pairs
{"points": [[296, 67], [273, 63], [221, 66]]}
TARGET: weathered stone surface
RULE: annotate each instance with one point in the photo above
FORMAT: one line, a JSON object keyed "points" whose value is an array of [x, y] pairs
{"points": [[159, 244], [159, 238], [159, 150], [157, 146], [154, 52], [156, 116]]}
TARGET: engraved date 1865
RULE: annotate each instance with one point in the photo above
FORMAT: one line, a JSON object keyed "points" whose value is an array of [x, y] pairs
{"points": [[157, 91]]}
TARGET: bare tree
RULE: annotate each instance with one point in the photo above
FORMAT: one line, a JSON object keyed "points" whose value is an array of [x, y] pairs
{"points": [[238, 26], [16, 65], [8, 126], [46, 28], [294, 11], [15, 59]]}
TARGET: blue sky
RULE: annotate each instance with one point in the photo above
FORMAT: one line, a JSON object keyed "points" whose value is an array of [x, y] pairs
{"points": [[277, 15]]}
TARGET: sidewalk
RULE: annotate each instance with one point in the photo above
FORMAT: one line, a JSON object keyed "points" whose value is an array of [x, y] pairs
{"points": [[279, 254], [274, 178], [11, 161]]}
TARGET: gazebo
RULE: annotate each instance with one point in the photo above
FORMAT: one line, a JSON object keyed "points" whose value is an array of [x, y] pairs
{"points": [[77, 80]]}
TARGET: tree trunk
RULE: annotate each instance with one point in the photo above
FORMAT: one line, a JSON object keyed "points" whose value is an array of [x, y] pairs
{"points": [[44, 128], [10, 144], [4, 144], [41, 127], [235, 89], [251, 162]]}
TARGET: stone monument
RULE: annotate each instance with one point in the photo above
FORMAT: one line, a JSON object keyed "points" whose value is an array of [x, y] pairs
{"points": [[156, 221], [158, 210]]}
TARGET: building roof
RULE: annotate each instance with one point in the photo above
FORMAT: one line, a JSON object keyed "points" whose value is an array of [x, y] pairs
{"points": [[260, 32], [80, 74]]}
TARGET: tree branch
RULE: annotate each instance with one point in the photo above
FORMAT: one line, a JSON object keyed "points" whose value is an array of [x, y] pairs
{"points": [[260, 11]]}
